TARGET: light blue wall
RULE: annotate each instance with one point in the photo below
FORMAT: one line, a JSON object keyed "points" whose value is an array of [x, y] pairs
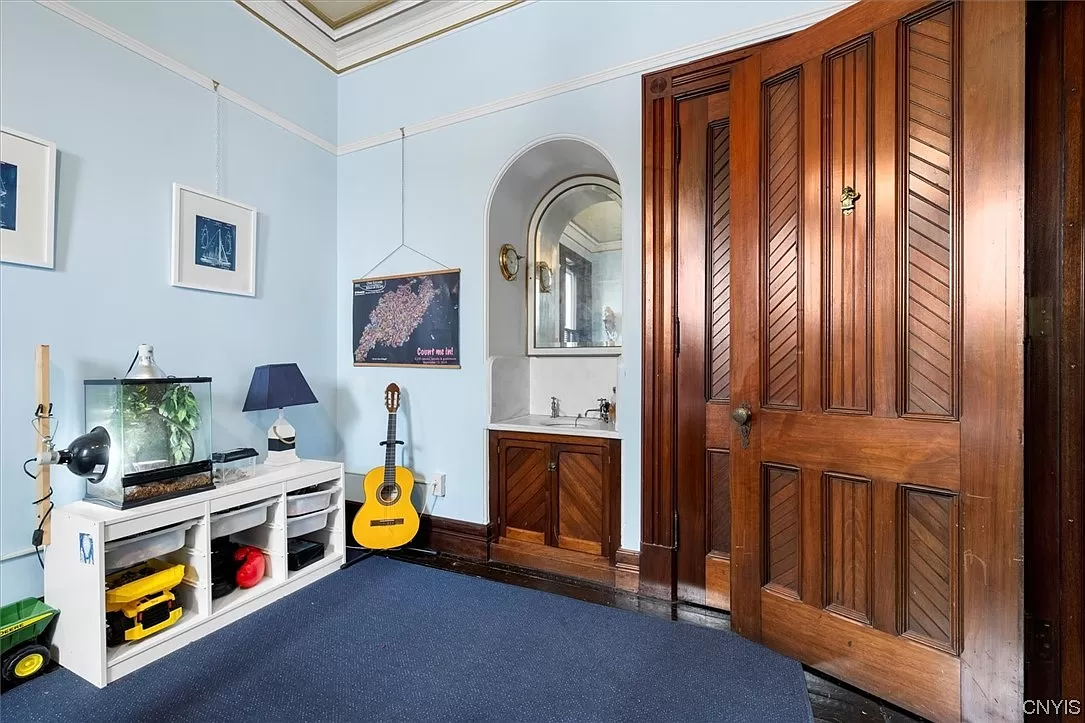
{"points": [[222, 40], [536, 46], [449, 175], [126, 129]]}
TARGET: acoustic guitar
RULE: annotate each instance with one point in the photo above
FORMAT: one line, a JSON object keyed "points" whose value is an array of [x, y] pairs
{"points": [[387, 518]]}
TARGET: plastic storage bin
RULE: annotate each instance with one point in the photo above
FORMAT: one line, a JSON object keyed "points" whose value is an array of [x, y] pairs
{"points": [[231, 521], [134, 550], [303, 504], [304, 524]]}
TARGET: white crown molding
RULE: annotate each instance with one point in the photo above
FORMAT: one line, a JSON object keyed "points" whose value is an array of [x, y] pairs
{"points": [[305, 34], [722, 44], [128, 42], [639, 67], [403, 24], [423, 23]]}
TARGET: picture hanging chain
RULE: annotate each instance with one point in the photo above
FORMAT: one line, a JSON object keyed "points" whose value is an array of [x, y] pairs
{"points": [[218, 139], [403, 210]]}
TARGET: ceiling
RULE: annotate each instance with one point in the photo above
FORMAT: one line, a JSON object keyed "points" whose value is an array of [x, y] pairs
{"points": [[346, 34], [337, 13]]}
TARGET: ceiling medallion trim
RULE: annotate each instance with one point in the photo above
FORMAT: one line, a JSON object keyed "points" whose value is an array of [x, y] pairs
{"points": [[350, 17], [381, 31]]}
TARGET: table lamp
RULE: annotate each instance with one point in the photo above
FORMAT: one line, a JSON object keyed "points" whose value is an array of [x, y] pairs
{"points": [[275, 386]]}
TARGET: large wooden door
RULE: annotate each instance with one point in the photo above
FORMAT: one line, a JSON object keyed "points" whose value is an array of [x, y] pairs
{"points": [[703, 202], [877, 167]]}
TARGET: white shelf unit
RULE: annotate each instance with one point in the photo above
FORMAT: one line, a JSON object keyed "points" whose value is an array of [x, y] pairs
{"points": [[76, 586]]}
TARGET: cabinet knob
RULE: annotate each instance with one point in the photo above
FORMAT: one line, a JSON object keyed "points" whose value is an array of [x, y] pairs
{"points": [[552, 466]]}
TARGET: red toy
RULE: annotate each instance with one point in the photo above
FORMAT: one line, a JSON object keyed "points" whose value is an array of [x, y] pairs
{"points": [[250, 568]]}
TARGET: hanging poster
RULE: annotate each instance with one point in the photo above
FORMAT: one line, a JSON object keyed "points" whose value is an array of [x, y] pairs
{"points": [[407, 320]]}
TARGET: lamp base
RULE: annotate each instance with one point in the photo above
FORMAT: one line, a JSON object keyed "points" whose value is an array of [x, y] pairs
{"points": [[281, 441]]}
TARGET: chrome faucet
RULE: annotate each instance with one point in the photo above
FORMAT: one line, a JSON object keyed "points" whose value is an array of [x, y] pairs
{"points": [[554, 407], [603, 409]]}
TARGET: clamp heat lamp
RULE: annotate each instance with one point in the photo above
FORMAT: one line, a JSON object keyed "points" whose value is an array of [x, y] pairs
{"points": [[86, 456]]}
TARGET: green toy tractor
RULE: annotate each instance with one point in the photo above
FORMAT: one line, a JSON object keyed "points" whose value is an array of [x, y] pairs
{"points": [[26, 631]]}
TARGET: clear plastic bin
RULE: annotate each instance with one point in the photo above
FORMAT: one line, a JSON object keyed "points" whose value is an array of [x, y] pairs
{"points": [[304, 524], [234, 465], [243, 518], [297, 505], [134, 550]]}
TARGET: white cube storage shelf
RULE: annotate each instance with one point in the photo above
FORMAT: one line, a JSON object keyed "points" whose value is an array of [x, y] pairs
{"points": [[84, 533]]}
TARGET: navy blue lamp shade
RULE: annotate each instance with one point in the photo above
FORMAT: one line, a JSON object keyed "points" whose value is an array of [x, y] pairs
{"points": [[275, 386]]}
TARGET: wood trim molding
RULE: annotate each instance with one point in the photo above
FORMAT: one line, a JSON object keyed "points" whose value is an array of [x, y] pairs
{"points": [[556, 560], [470, 540], [1055, 349], [627, 570]]}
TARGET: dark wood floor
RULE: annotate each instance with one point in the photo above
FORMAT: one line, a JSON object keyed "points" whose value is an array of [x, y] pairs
{"points": [[831, 700]]}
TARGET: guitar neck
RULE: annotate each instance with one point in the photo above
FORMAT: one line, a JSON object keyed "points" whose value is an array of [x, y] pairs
{"points": [[390, 451]]}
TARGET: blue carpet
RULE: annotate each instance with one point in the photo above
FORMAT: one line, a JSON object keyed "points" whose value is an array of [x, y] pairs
{"points": [[391, 641]]}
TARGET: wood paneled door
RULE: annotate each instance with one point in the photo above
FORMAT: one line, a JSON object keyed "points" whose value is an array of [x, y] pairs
{"points": [[703, 197], [846, 355]]}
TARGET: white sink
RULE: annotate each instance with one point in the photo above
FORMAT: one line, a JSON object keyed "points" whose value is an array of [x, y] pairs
{"points": [[574, 426], [581, 422]]}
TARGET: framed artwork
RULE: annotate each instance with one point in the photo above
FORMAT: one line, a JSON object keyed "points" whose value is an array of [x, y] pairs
{"points": [[411, 320], [214, 243], [28, 170]]}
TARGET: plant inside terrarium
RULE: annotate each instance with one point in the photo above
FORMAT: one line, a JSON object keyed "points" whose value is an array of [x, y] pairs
{"points": [[139, 431], [182, 414], [153, 415]]}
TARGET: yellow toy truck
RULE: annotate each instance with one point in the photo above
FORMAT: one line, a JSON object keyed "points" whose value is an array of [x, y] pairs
{"points": [[139, 601]]}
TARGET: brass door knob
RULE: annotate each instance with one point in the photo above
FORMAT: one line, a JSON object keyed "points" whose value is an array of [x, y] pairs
{"points": [[741, 415]]}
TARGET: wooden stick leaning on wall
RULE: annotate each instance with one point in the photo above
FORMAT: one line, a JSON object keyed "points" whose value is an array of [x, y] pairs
{"points": [[42, 484]]}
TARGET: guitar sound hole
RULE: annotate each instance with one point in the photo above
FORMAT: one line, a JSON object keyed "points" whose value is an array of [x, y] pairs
{"points": [[388, 494]]}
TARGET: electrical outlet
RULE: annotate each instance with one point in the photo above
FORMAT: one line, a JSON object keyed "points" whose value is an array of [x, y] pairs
{"points": [[438, 482]]}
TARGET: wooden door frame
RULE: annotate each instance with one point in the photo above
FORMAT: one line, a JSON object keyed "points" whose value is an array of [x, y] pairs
{"points": [[662, 91], [1055, 356]]}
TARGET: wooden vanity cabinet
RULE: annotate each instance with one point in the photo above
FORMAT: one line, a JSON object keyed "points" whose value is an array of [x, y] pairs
{"points": [[557, 497]]}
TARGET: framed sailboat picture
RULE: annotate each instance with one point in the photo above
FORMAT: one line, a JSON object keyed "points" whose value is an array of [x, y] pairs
{"points": [[214, 243], [27, 199]]}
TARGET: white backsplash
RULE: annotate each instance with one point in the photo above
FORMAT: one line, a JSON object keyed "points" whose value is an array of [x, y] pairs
{"points": [[577, 382], [508, 387]]}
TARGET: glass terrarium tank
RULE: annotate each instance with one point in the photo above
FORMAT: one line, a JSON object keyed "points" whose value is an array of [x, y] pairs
{"points": [[159, 438]]}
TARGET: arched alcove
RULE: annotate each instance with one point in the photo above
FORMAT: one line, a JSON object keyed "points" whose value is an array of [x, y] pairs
{"points": [[517, 192]]}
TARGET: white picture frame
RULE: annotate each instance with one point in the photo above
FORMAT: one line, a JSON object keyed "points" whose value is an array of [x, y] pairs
{"points": [[28, 170], [214, 243]]}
